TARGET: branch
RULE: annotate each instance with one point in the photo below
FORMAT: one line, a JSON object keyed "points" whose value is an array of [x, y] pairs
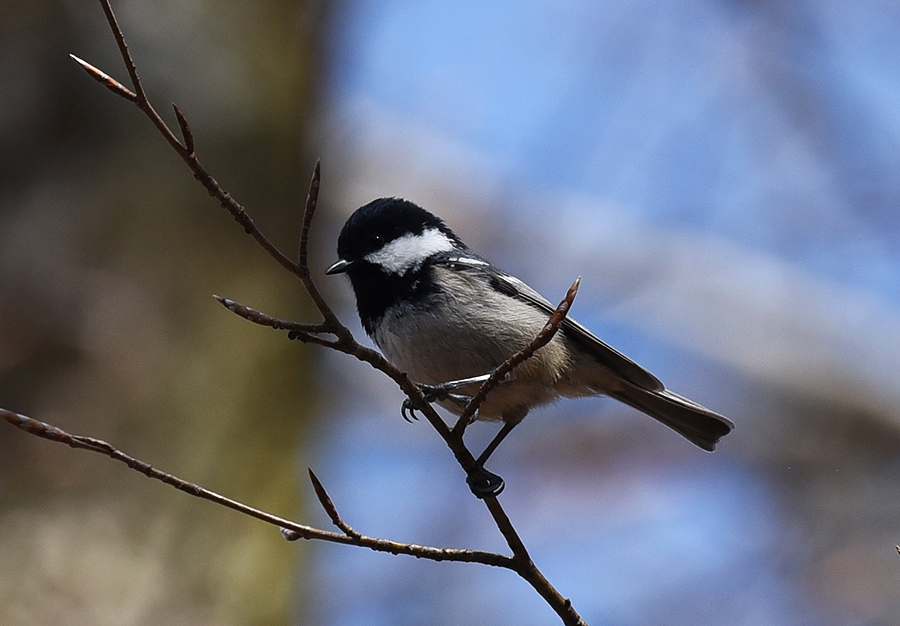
{"points": [[505, 369], [328, 505], [312, 202], [343, 341], [523, 565], [186, 151], [264, 319], [291, 530]]}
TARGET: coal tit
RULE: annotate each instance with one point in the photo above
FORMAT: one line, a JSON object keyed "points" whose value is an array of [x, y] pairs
{"points": [[441, 313]]}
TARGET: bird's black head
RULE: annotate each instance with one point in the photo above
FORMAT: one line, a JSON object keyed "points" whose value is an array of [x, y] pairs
{"points": [[383, 248], [394, 234]]}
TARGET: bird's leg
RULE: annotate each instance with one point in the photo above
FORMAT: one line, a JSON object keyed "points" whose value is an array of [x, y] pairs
{"points": [[442, 391], [485, 484], [500, 436], [450, 385]]}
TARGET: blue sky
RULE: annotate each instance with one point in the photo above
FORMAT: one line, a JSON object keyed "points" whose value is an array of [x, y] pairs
{"points": [[724, 176]]}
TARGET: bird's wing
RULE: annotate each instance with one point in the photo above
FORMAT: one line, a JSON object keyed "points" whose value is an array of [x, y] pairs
{"points": [[605, 354]]}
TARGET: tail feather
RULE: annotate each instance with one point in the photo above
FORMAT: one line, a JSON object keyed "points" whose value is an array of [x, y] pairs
{"points": [[696, 423]]}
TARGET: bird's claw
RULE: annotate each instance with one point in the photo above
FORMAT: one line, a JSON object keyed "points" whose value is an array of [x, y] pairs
{"points": [[433, 393], [485, 484], [408, 411]]}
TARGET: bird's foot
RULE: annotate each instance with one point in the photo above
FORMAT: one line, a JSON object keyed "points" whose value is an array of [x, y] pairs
{"points": [[485, 484], [432, 394], [439, 392]]}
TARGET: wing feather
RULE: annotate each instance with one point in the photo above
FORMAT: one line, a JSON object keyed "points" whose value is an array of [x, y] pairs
{"points": [[605, 354]]}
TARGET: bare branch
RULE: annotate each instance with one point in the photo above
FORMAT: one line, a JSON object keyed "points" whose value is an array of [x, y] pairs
{"points": [[185, 151], [312, 202], [329, 507], [123, 49], [499, 375], [295, 530], [186, 131], [263, 319], [53, 433], [331, 320]]}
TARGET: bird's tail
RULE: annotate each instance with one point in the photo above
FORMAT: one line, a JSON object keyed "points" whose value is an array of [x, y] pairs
{"points": [[696, 423]]}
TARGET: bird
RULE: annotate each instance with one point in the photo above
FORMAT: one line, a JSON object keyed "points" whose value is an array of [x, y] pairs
{"points": [[448, 318]]}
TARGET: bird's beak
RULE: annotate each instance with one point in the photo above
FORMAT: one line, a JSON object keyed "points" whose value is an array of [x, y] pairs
{"points": [[340, 267]]}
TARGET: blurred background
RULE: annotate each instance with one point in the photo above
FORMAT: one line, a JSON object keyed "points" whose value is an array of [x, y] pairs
{"points": [[722, 174]]}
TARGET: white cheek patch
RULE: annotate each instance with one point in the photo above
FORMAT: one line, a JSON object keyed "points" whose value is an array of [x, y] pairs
{"points": [[410, 251]]}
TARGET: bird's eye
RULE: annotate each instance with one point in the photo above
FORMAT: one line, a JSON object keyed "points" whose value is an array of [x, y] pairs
{"points": [[377, 241]]}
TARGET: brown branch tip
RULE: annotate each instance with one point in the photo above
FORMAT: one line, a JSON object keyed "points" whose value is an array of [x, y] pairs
{"points": [[328, 505], [106, 80], [186, 131]]}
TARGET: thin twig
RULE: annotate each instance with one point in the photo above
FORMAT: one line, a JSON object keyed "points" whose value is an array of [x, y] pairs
{"points": [[331, 320], [499, 375], [312, 202], [123, 49], [264, 319], [139, 98], [53, 433], [186, 131], [328, 505]]}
